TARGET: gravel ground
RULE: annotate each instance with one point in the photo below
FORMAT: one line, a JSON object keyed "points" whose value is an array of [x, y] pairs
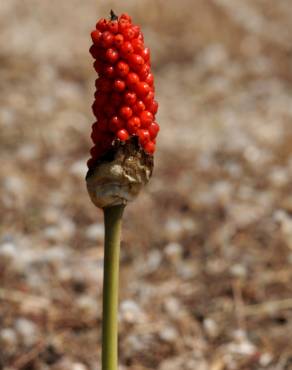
{"points": [[207, 248]]}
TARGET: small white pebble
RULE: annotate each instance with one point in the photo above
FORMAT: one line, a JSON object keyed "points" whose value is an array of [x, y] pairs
{"points": [[68, 364], [168, 334], [78, 366], [52, 215], [8, 340], [186, 270], [173, 228], [53, 167], [87, 306], [8, 253], [79, 168], [212, 56], [189, 225], [27, 152], [134, 343], [172, 306], [131, 312], [173, 252], [52, 233], [68, 228], [244, 348], [65, 229], [265, 359], [279, 176], [55, 255], [14, 184], [279, 215], [241, 345], [153, 260], [27, 331], [238, 270], [239, 335], [211, 328], [95, 232]]}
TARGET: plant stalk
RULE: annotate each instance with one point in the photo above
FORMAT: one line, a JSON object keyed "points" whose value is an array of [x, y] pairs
{"points": [[112, 223]]}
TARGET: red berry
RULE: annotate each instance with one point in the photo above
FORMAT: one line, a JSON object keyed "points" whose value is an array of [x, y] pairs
{"points": [[126, 49], [98, 66], [136, 30], [142, 89], [95, 36], [95, 126], [103, 84], [94, 51], [122, 69], [109, 71], [146, 118], [133, 124], [119, 85], [115, 124], [153, 130], [100, 99], [149, 79], [107, 140], [96, 136], [102, 125], [132, 79], [138, 45], [140, 37], [95, 107], [111, 55], [153, 107], [100, 96], [116, 99], [136, 61], [90, 163], [102, 24], [101, 146], [107, 39], [126, 112], [148, 99], [99, 113], [123, 135], [144, 71], [145, 53], [109, 110], [126, 17], [139, 107], [144, 136], [113, 26], [123, 25], [129, 33], [118, 40], [130, 98], [94, 151], [149, 147]]}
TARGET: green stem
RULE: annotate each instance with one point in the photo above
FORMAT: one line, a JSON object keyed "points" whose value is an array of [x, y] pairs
{"points": [[112, 223]]}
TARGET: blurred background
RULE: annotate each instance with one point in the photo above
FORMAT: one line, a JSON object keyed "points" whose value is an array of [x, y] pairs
{"points": [[207, 247]]}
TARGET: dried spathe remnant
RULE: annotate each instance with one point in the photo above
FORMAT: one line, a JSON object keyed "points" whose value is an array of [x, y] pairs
{"points": [[118, 177]]}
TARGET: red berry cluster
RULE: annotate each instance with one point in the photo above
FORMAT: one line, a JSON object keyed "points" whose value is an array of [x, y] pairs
{"points": [[124, 103]]}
